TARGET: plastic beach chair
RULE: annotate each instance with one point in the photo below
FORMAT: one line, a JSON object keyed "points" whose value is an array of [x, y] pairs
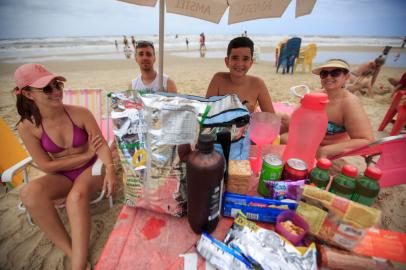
{"points": [[92, 99], [306, 57], [11, 153], [16, 171], [395, 108], [288, 54], [392, 160]]}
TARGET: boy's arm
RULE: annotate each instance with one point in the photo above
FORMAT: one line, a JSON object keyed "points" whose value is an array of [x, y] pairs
{"points": [[213, 89], [171, 86], [264, 99]]}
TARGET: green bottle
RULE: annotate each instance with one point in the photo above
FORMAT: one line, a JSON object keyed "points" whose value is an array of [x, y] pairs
{"points": [[367, 187], [344, 183], [320, 175]]}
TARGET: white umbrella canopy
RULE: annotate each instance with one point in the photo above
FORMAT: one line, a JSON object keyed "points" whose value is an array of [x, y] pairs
{"points": [[213, 11]]}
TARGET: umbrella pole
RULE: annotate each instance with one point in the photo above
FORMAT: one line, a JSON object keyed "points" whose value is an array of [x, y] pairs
{"points": [[161, 42]]}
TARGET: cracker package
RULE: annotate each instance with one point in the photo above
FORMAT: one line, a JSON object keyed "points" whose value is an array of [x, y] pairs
{"points": [[336, 220], [239, 173]]}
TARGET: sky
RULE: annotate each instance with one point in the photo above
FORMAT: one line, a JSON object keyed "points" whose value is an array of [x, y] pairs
{"points": [[62, 18]]}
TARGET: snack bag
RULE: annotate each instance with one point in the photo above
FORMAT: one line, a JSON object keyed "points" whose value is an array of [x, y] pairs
{"points": [[334, 219]]}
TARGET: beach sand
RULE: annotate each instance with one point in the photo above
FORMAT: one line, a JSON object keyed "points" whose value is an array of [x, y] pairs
{"points": [[23, 246]]}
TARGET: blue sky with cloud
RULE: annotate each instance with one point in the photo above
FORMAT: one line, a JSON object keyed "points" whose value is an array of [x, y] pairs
{"points": [[59, 18]]}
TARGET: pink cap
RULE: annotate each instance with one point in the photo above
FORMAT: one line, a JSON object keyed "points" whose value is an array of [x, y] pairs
{"points": [[373, 173], [349, 170], [315, 101], [34, 75], [323, 163]]}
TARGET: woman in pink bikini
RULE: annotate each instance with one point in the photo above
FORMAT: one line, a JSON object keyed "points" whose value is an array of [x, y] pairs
{"points": [[64, 141]]}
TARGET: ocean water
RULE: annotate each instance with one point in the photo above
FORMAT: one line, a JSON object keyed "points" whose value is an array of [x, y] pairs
{"points": [[102, 47]]}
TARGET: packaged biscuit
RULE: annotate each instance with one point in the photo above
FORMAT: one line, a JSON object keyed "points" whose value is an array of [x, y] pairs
{"points": [[239, 173], [334, 219]]}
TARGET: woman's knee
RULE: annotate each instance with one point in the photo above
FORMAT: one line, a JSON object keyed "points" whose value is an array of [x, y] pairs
{"points": [[31, 194], [77, 196]]}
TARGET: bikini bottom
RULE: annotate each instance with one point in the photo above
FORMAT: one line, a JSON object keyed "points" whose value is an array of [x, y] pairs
{"points": [[73, 174]]}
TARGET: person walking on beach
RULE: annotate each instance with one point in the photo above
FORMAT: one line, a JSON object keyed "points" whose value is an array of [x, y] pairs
{"points": [[187, 43], [148, 80], [125, 42], [202, 42], [133, 41], [115, 43], [402, 46], [64, 141]]}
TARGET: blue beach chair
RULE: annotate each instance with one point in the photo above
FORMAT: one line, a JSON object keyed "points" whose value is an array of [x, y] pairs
{"points": [[289, 53]]}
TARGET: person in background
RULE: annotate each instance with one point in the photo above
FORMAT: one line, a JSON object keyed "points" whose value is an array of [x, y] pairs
{"points": [[398, 84], [64, 142], [148, 80], [125, 42], [116, 43], [202, 42], [133, 41], [187, 43], [348, 124], [365, 75]]}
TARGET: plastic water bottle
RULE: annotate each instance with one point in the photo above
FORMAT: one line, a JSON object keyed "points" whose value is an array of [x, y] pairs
{"points": [[344, 183], [367, 187], [320, 175], [307, 129], [204, 178]]}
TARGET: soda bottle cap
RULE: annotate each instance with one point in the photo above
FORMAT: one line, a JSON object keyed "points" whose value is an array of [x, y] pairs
{"points": [[205, 144], [349, 170], [323, 163], [373, 173], [315, 101]]}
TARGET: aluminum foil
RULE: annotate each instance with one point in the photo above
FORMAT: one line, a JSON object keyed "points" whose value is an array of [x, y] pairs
{"points": [[266, 249]]}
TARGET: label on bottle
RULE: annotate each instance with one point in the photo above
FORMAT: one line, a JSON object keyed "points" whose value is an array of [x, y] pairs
{"points": [[215, 195]]}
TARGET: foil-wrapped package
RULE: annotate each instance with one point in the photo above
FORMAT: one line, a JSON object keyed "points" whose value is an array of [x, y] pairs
{"points": [[266, 249], [151, 128]]}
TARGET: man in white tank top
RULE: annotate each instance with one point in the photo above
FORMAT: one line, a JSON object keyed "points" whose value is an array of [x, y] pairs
{"points": [[148, 80]]}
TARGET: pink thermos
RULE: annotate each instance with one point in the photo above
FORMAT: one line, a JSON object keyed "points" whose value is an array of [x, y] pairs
{"points": [[307, 129]]}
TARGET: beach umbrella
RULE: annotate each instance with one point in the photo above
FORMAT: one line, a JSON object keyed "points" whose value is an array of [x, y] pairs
{"points": [[213, 11]]}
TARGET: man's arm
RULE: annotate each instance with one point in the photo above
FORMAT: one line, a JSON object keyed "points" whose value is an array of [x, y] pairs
{"points": [[171, 87]]}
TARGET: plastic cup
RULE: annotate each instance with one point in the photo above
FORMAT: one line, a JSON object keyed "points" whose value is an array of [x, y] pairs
{"points": [[297, 221]]}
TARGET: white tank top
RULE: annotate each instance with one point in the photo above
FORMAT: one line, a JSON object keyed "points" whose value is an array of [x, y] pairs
{"points": [[153, 87]]}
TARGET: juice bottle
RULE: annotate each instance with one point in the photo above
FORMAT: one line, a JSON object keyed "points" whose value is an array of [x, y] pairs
{"points": [[307, 129], [204, 178], [367, 187], [344, 183], [320, 175]]}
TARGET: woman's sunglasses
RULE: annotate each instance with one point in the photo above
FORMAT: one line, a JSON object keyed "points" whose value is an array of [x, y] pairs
{"points": [[50, 87], [333, 73]]}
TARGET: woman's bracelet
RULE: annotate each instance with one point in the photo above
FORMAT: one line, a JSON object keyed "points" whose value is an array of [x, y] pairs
{"points": [[110, 164]]}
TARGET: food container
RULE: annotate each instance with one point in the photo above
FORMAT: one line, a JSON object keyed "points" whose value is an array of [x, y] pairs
{"points": [[297, 221]]}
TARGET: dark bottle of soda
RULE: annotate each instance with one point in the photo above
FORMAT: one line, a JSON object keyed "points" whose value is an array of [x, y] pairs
{"points": [[204, 177]]}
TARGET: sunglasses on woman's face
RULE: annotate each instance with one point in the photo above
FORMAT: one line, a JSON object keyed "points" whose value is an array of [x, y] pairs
{"points": [[333, 73], [50, 87]]}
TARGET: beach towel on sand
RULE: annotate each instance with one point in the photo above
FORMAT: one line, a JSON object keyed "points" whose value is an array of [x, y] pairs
{"points": [[149, 130]]}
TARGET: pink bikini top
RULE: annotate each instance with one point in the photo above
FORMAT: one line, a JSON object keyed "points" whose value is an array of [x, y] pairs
{"points": [[80, 137]]}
